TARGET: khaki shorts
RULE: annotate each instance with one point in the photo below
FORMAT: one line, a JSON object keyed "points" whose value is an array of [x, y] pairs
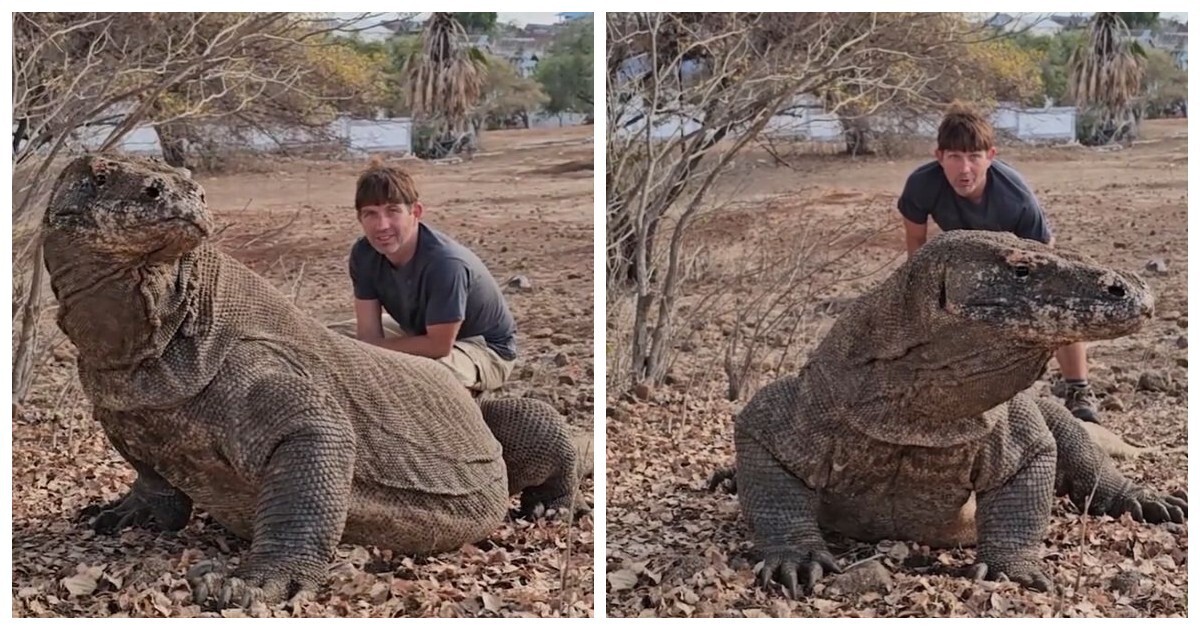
{"points": [[477, 366]]}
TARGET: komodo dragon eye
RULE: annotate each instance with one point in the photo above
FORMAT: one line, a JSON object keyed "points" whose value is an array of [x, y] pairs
{"points": [[153, 190], [1022, 271]]}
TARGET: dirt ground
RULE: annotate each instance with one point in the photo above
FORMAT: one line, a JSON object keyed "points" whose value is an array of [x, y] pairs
{"points": [[293, 221], [676, 549]]}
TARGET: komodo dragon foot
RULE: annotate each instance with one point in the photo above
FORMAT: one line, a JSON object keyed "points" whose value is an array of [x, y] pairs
{"points": [[143, 505], [1027, 573], [724, 477], [796, 567], [245, 586]]}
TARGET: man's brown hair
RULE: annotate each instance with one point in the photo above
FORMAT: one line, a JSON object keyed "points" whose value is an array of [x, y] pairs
{"points": [[382, 185], [965, 129]]}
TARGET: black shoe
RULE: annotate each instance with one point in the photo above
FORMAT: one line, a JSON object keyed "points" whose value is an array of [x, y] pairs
{"points": [[1081, 402]]}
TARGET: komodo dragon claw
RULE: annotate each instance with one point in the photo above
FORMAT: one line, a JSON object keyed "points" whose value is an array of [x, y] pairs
{"points": [[1026, 573], [792, 564], [1147, 506], [166, 512], [726, 477], [210, 579]]}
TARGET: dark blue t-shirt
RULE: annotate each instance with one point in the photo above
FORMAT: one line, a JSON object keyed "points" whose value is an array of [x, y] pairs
{"points": [[1009, 204], [444, 282]]}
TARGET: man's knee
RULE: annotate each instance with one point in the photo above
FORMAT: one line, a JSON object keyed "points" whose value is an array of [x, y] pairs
{"points": [[477, 367]]}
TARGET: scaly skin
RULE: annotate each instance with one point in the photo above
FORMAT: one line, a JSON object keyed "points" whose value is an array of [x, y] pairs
{"points": [[908, 422], [220, 393], [544, 461]]}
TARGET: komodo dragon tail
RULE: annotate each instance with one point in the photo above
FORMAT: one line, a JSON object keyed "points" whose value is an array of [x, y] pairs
{"points": [[1110, 443], [545, 458]]}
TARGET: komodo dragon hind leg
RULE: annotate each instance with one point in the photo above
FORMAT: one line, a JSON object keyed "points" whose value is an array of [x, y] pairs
{"points": [[1082, 468], [540, 453]]}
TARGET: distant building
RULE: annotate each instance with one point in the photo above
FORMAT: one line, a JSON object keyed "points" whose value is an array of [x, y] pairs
{"points": [[1173, 43]]}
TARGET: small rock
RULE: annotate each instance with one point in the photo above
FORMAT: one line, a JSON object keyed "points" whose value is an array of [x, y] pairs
{"points": [[1182, 322], [561, 360], [542, 332], [566, 379], [1126, 583], [616, 413], [1181, 362], [685, 567], [1181, 342], [560, 339], [898, 552], [1153, 381], [519, 282], [1112, 403], [670, 379], [865, 578], [1120, 245], [1171, 316], [1156, 265], [642, 391]]}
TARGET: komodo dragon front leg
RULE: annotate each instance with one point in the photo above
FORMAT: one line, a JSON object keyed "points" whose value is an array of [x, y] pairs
{"points": [[298, 446], [1082, 467], [150, 502], [1012, 519], [781, 511]]}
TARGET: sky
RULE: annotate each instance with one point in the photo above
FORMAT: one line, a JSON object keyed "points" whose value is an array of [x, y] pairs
{"points": [[520, 18]]}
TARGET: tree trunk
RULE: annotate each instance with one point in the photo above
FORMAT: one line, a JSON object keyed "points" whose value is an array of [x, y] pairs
{"points": [[26, 348], [172, 137], [856, 131]]}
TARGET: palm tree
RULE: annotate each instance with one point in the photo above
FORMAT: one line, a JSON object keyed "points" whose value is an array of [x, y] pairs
{"points": [[445, 76], [1106, 74]]}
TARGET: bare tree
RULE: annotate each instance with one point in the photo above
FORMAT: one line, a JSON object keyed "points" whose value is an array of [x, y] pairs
{"points": [[686, 93], [87, 80]]}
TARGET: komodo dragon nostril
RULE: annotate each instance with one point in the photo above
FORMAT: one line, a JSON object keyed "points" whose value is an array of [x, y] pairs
{"points": [[1116, 289]]}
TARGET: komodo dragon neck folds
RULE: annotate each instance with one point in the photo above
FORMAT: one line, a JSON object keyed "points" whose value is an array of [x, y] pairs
{"points": [[910, 421], [221, 394]]}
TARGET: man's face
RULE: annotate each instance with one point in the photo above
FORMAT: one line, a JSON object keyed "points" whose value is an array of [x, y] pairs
{"points": [[388, 227], [966, 170]]}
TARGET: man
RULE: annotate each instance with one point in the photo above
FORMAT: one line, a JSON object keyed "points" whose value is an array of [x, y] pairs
{"points": [[418, 291], [966, 188]]}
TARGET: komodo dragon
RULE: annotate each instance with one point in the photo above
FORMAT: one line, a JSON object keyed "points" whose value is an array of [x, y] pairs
{"points": [[220, 393], [910, 421]]}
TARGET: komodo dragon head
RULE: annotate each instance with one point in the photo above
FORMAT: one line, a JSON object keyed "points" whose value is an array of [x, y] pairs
{"points": [[968, 322], [127, 209], [1025, 292]]}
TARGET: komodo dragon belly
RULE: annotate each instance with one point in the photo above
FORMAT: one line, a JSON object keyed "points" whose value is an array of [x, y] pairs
{"points": [[881, 491]]}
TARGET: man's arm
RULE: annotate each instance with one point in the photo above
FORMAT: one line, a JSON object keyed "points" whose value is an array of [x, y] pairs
{"points": [[914, 235], [914, 213], [368, 322], [444, 314], [436, 343]]}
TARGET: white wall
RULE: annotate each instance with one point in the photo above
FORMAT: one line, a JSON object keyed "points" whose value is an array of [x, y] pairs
{"points": [[359, 136], [808, 120]]}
